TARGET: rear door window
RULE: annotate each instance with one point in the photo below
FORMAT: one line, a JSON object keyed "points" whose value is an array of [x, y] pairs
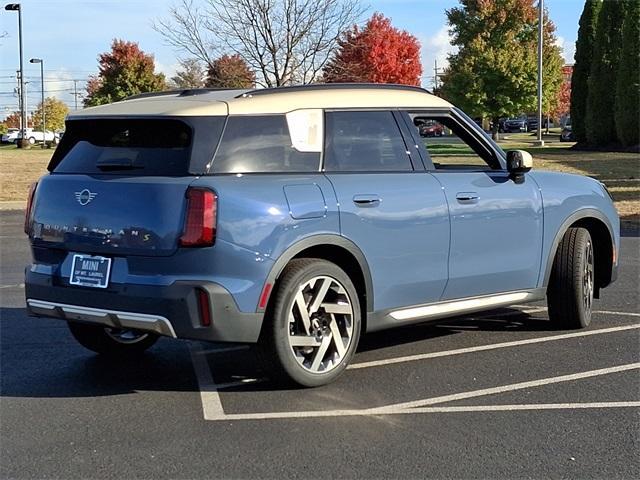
{"points": [[364, 142], [261, 144]]}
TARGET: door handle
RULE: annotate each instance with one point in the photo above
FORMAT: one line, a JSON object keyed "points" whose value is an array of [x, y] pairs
{"points": [[366, 200], [467, 197]]}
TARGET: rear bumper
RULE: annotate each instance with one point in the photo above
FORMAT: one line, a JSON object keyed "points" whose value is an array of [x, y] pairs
{"points": [[165, 310]]}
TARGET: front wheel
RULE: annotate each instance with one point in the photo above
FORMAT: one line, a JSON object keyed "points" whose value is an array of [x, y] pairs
{"points": [[111, 341], [312, 328], [571, 286], [31, 140]]}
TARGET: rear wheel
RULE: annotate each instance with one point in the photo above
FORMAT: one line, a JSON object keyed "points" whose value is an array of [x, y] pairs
{"points": [[572, 282], [31, 140], [312, 328], [111, 341]]}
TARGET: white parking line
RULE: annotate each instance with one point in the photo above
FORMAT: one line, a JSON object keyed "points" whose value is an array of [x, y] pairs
{"points": [[216, 412], [493, 346], [211, 404], [506, 388], [17, 285]]}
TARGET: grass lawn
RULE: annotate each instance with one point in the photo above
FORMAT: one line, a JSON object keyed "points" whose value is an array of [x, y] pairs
{"points": [[619, 171]]}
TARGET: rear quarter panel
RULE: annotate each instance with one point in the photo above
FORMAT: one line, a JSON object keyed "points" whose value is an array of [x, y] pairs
{"points": [[259, 217]]}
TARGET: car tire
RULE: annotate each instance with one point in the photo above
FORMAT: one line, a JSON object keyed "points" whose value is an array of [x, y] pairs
{"points": [[315, 301], [31, 140], [571, 285], [111, 342]]}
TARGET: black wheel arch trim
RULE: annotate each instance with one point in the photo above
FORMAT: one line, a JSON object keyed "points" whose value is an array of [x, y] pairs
{"points": [[585, 213], [319, 241]]}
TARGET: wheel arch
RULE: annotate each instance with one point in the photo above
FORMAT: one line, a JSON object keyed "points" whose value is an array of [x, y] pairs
{"points": [[335, 249], [601, 232]]}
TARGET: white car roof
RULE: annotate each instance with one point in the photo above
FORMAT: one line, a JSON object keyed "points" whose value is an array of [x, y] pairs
{"points": [[202, 102]]}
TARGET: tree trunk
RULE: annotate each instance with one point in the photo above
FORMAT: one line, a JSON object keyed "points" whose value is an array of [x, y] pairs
{"points": [[494, 128]]}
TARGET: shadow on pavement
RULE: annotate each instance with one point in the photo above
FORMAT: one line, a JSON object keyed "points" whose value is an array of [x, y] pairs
{"points": [[41, 359]]}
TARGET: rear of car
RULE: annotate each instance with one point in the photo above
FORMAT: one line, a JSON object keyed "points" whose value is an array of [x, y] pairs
{"points": [[123, 234], [514, 125]]}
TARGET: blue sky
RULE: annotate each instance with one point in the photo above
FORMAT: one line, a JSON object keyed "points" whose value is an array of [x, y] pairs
{"points": [[69, 35]]}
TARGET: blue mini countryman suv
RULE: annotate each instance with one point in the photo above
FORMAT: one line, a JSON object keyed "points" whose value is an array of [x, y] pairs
{"points": [[299, 218]]}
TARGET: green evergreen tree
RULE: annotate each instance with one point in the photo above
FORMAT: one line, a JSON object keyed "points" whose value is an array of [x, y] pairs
{"points": [[627, 112], [582, 68], [600, 119]]}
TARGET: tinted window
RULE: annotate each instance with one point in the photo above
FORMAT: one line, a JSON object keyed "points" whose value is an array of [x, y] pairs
{"points": [[364, 141], [261, 144], [124, 146]]}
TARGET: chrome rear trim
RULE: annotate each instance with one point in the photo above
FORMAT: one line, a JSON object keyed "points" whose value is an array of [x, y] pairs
{"points": [[107, 318]]}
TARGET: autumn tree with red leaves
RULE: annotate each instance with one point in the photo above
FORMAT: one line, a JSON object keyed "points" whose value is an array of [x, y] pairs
{"points": [[12, 120], [563, 105], [125, 70], [377, 53], [230, 71]]}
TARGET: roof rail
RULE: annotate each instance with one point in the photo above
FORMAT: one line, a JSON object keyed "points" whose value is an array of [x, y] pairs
{"points": [[189, 92], [331, 86]]}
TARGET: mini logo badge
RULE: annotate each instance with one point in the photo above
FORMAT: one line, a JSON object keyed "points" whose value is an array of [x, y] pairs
{"points": [[85, 196]]}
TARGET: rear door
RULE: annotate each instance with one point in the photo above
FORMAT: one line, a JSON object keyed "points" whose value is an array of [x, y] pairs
{"points": [[496, 223], [390, 207]]}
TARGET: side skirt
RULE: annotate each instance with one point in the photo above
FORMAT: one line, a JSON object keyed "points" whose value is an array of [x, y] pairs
{"points": [[432, 311]]}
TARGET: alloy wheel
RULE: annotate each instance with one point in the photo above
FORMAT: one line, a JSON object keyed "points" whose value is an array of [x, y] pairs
{"points": [[320, 324], [588, 278]]}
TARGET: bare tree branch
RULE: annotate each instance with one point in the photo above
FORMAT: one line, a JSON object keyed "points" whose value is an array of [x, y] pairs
{"points": [[283, 41]]}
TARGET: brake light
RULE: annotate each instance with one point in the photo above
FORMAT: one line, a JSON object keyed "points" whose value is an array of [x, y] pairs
{"points": [[27, 214], [200, 222]]}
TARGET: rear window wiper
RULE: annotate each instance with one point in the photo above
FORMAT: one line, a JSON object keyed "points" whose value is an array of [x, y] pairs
{"points": [[118, 164]]}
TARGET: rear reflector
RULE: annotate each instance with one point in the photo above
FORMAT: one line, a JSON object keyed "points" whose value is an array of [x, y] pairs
{"points": [[204, 308], [200, 221], [27, 214], [264, 298]]}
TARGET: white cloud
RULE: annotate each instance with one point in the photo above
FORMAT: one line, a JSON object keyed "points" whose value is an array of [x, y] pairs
{"points": [[435, 48], [57, 83], [169, 70], [568, 49]]}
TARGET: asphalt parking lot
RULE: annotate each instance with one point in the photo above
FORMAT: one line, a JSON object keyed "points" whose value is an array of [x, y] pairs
{"points": [[498, 395]]}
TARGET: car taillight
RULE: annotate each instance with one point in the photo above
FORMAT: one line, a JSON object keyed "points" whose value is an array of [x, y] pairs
{"points": [[200, 220], [27, 214]]}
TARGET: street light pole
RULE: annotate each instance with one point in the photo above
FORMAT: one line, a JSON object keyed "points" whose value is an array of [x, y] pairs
{"points": [[16, 7], [540, 41], [44, 117]]}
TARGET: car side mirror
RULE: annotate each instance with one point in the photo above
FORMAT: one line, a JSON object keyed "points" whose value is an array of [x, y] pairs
{"points": [[519, 161]]}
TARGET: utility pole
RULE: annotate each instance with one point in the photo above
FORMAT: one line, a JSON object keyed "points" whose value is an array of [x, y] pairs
{"points": [[435, 76], [75, 93], [540, 41]]}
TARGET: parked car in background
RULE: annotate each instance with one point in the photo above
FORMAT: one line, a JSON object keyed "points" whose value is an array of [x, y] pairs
{"points": [[567, 133], [431, 128], [297, 219], [532, 124], [34, 136], [11, 136], [514, 125]]}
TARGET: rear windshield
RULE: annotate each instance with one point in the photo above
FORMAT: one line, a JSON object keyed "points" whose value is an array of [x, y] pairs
{"points": [[165, 147]]}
